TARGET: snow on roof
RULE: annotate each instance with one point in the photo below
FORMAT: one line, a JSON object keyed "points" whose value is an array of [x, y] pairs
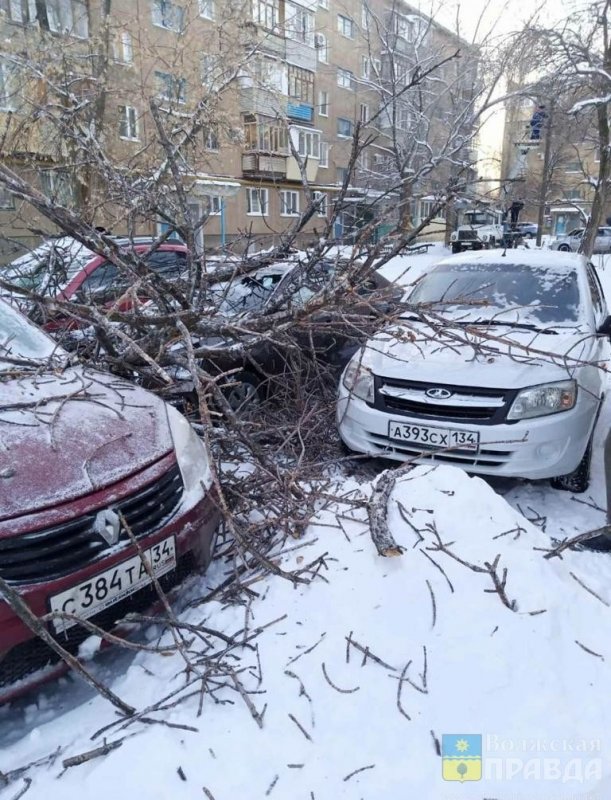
{"points": [[530, 258]]}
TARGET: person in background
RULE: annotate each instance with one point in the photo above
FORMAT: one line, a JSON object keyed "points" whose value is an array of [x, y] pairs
{"points": [[536, 122]]}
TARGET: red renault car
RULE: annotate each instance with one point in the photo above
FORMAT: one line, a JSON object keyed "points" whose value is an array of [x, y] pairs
{"points": [[80, 451]]}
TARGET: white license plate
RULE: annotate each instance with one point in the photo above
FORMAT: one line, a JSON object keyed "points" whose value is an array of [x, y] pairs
{"points": [[430, 436], [109, 587]]}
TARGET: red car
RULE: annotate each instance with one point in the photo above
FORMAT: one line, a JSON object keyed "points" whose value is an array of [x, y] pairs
{"points": [[65, 269], [80, 450]]}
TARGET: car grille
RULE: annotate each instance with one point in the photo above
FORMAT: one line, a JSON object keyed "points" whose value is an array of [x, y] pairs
{"points": [[465, 403], [488, 457], [54, 552], [467, 235], [34, 656]]}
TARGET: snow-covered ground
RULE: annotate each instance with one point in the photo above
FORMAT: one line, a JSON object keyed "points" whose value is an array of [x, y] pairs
{"points": [[445, 655]]}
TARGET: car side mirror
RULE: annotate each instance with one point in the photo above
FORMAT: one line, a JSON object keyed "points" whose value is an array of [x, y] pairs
{"points": [[605, 328]]}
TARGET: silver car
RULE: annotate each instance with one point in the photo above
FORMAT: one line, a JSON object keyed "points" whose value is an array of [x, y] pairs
{"points": [[496, 366], [572, 241]]}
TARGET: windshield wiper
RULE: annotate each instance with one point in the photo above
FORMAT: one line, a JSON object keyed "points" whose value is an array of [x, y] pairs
{"points": [[522, 325]]}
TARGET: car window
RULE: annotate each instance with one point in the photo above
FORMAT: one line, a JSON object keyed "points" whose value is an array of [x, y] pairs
{"points": [[101, 278], [595, 290], [19, 339], [483, 291], [168, 264], [249, 294]]}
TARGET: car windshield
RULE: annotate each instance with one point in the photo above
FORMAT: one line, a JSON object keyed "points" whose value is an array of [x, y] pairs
{"points": [[478, 219], [49, 268], [20, 341], [502, 292]]}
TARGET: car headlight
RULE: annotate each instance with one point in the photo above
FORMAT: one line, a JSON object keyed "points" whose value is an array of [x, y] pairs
{"points": [[191, 454], [548, 398], [358, 380], [484, 237], [453, 236]]}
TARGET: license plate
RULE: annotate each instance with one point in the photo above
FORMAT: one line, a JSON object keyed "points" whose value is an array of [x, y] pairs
{"points": [[109, 587], [432, 437]]}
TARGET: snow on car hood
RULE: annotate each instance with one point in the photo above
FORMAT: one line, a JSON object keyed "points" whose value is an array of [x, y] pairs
{"points": [[501, 357], [64, 436]]}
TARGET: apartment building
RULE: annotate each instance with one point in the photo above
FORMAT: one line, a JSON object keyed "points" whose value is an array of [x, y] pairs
{"points": [[232, 107], [567, 189]]}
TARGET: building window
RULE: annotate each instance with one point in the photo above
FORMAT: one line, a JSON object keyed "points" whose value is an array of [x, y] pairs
{"points": [[8, 85], [257, 201], [128, 123], [301, 84], [299, 23], [324, 4], [265, 135], [123, 50], [289, 204], [573, 166], [324, 155], [211, 139], [267, 13], [345, 26], [426, 209], [322, 48], [6, 198], [170, 88], [323, 104], [365, 17], [365, 67], [214, 205], [308, 143], [58, 186], [65, 16], [345, 127], [405, 28], [573, 194], [322, 199], [168, 15], [403, 118], [206, 9], [345, 78], [342, 173], [16, 10], [364, 113]]}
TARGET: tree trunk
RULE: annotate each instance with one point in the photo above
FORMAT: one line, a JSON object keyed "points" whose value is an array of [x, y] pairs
{"points": [[604, 175]]}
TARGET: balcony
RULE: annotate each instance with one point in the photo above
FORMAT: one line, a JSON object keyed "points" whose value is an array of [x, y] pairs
{"points": [[254, 100], [300, 111], [264, 165]]}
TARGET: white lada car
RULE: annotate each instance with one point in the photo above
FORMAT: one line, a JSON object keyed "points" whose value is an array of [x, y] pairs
{"points": [[497, 366]]}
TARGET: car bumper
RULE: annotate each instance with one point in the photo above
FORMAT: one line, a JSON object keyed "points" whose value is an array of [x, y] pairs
{"points": [[26, 661], [538, 448]]}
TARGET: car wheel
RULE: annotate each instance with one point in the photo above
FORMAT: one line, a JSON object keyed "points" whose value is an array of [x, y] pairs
{"points": [[456, 248], [243, 392], [565, 248], [578, 480]]}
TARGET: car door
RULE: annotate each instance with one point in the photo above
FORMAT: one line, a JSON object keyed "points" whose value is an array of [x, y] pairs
{"points": [[601, 349]]}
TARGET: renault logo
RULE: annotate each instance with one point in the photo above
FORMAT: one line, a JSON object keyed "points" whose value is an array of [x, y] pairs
{"points": [[107, 524], [438, 394]]}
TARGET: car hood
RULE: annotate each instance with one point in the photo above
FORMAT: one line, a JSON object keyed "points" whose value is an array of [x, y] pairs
{"points": [[501, 357], [63, 436]]}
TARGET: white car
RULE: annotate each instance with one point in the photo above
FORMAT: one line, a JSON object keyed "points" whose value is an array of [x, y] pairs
{"points": [[495, 367], [572, 241]]}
